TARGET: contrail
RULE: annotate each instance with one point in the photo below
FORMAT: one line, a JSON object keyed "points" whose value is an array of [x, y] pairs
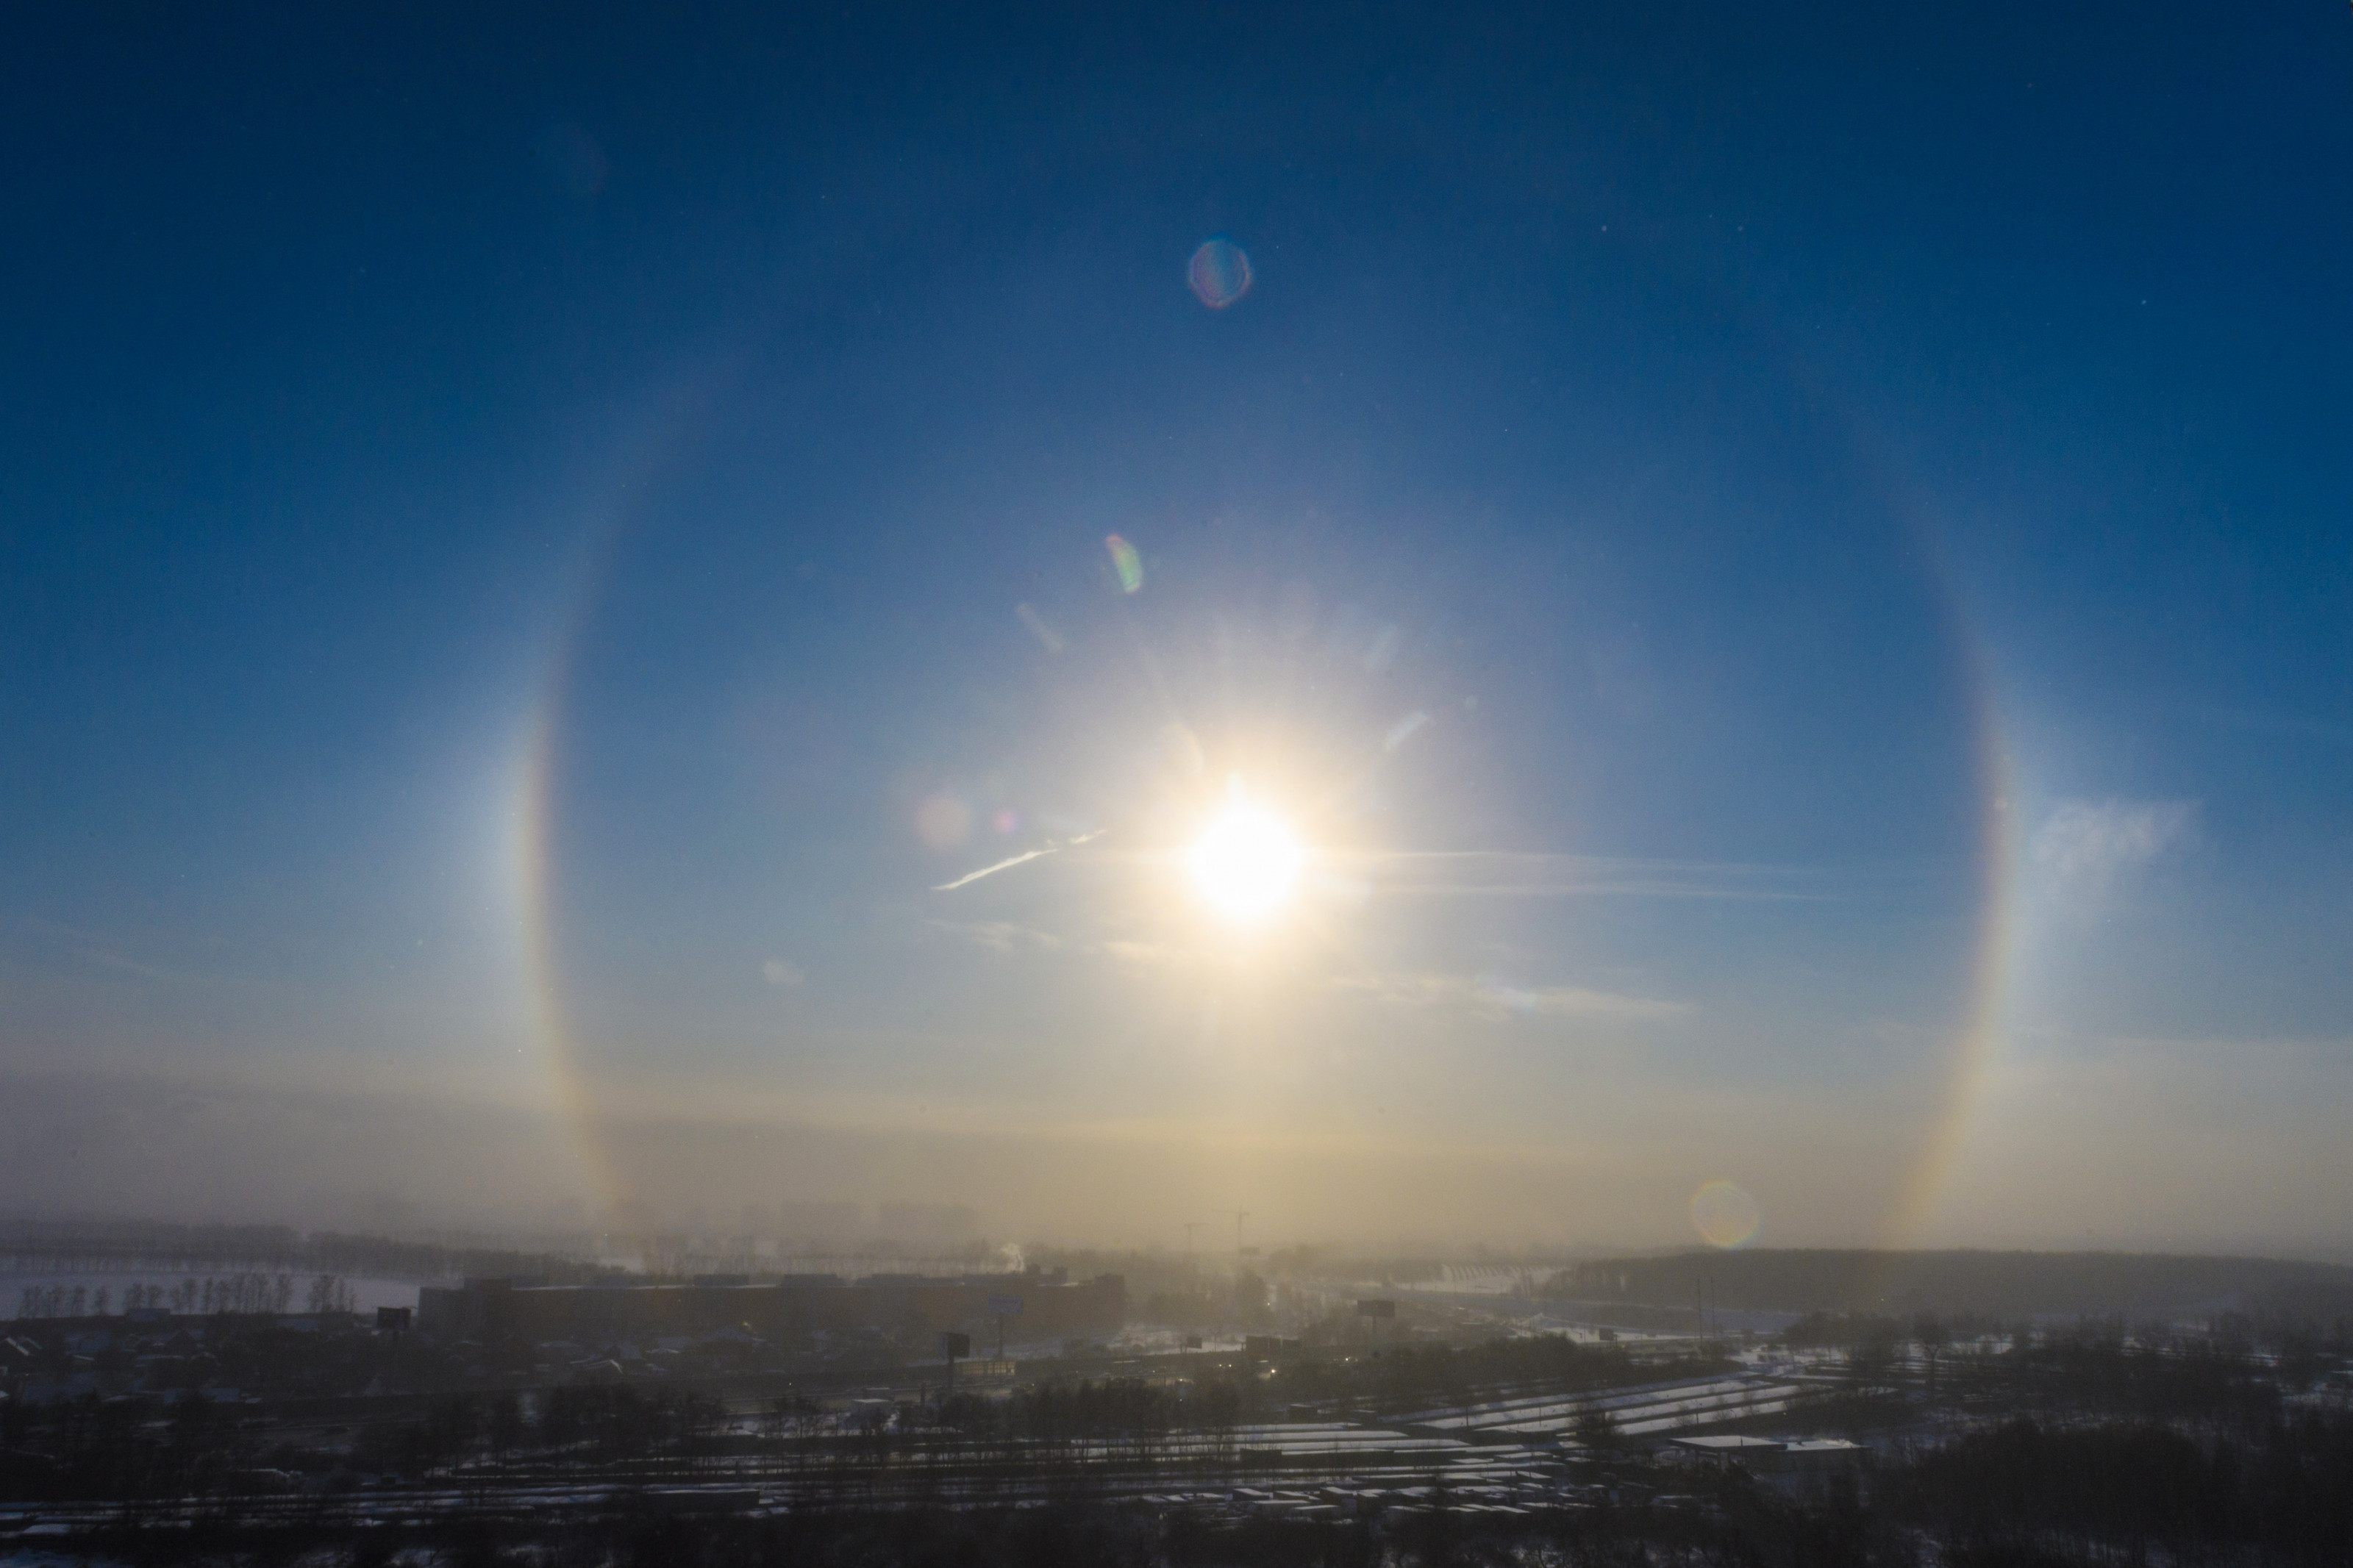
{"points": [[1018, 859]]}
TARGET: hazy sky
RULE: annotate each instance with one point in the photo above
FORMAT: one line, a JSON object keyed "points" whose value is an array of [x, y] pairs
{"points": [[1787, 572]]}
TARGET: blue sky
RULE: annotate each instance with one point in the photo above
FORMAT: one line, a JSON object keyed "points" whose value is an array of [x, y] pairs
{"points": [[514, 535]]}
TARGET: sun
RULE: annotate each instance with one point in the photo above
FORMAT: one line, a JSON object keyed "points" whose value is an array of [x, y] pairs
{"points": [[1246, 864]]}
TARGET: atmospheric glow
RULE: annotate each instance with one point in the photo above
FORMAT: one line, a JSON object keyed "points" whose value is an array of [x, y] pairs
{"points": [[1247, 864]]}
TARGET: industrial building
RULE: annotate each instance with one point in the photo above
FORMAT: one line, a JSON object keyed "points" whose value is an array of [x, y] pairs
{"points": [[1038, 1303]]}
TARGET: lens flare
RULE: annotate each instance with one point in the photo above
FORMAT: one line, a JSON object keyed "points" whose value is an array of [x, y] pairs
{"points": [[1219, 273], [1247, 864], [1724, 1215], [1126, 563], [943, 821]]}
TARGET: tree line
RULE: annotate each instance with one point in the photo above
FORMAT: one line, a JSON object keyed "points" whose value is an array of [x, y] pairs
{"points": [[2274, 1293], [81, 1246], [247, 1292]]}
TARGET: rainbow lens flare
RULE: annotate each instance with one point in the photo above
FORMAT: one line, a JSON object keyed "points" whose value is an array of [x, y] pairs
{"points": [[1219, 273], [1126, 563], [1724, 1215]]}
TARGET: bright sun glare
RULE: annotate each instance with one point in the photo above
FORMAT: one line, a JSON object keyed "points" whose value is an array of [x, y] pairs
{"points": [[1246, 864]]}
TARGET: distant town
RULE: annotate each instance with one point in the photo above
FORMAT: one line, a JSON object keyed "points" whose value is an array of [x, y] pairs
{"points": [[260, 1394]]}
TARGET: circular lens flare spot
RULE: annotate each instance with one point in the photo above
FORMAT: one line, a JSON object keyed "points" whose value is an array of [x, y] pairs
{"points": [[1724, 1215], [943, 821], [1219, 273], [1126, 563], [1247, 864]]}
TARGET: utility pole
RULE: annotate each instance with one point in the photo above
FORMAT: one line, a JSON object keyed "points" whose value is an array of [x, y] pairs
{"points": [[1240, 1216]]}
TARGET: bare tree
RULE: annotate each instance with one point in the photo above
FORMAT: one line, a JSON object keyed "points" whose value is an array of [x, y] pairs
{"points": [[1597, 1429]]}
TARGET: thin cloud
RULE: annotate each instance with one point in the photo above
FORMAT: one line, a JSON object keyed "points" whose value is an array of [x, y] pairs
{"points": [[1001, 936], [1517, 874], [130, 965], [2259, 723], [2092, 843], [1493, 998], [93, 947], [1144, 954], [1006, 937]]}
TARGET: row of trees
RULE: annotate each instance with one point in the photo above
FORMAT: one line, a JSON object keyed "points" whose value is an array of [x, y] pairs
{"points": [[1396, 1379], [2096, 1368], [2025, 1495], [2004, 1284], [2131, 1491], [58, 1301], [99, 1448], [1401, 1378], [601, 1422], [76, 1247], [1114, 1409], [247, 1292], [109, 1449]]}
